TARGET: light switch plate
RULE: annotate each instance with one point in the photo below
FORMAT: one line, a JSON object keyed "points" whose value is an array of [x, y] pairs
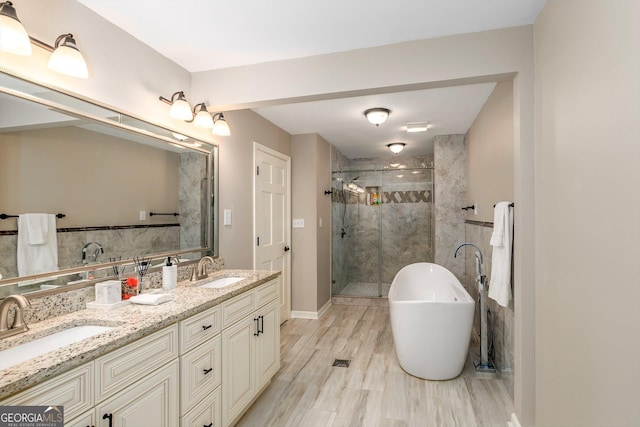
{"points": [[143, 215], [298, 223], [227, 217]]}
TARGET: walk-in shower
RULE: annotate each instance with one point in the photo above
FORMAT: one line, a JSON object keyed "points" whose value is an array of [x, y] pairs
{"points": [[382, 220]]}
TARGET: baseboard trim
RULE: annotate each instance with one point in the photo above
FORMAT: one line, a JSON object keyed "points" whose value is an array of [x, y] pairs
{"points": [[313, 315]]}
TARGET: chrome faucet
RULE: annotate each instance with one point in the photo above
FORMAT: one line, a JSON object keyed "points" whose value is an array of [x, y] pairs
{"points": [[478, 255], [200, 271], [99, 250], [18, 321]]}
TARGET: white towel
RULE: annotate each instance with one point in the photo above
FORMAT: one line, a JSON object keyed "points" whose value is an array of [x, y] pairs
{"points": [[501, 240], [37, 226], [36, 258]]}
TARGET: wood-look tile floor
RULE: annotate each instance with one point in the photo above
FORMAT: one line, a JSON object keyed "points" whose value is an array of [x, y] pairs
{"points": [[374, 390]]}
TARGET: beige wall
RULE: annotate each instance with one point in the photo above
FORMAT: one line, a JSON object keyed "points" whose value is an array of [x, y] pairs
{"points": [[490, 153], [587, 211], [311, 245], [95, 179], [304, 251], [236, 181]]}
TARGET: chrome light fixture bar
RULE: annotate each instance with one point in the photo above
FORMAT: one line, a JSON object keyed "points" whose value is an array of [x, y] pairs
{"points": [[377, 116], [65, 58], [200, 116]]}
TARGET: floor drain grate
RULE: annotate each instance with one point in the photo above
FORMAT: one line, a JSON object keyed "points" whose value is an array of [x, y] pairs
{"points": [[341, 363]]}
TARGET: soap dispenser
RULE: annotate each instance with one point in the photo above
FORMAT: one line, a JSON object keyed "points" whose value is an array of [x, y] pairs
{"points": [[169, 275]]}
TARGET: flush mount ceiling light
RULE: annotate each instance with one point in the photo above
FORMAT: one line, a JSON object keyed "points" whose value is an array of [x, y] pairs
{"points": [[377, 116], [396, 147], [13, 37], [417, 127], [67, 59], [202, 117], [220, 126]]}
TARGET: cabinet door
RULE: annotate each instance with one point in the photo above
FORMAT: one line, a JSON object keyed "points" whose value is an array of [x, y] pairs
{"points": [[238, 360], [152, 401], [268, 344]]}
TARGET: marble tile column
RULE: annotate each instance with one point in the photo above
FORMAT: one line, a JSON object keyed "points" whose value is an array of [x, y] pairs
{"points": [[450, 152]]}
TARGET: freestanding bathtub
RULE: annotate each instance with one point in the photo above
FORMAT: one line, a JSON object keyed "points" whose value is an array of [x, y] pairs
{"points": [[431, 320]]}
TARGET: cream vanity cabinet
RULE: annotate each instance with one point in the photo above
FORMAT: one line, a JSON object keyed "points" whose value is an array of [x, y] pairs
{"points": [[203, 371], [137, 385], [250, 347]]}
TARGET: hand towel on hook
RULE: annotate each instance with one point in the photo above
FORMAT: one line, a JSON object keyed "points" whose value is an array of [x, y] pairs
{"points": [[501, 240]]}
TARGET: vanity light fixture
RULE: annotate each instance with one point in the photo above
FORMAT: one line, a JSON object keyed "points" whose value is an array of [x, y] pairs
{"points": [[220, 126], [417, 127], [13, 37], [202, 117], [396, 147], [377, 116], [180, 108], [67, 59]]}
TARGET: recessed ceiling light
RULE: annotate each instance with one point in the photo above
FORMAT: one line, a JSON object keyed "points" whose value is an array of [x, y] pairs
{"points": [[417, 127]]}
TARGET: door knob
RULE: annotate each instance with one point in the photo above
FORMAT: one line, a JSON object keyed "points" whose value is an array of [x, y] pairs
{"points": [[287, 248]]}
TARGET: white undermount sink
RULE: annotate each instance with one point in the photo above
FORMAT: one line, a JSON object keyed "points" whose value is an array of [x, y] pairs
{"points": [[222, 282], [32, 349]]}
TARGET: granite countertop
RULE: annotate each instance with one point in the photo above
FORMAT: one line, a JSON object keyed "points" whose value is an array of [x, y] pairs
{"points": [[130, 322]]}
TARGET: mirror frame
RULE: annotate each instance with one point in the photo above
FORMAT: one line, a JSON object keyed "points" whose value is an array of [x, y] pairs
{"points": [[211, 233]]}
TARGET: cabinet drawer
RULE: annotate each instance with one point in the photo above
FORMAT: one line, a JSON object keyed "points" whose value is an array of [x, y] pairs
{"points": [[267, 292], [199, 373], [73, 390], [199, 328], [128, 364], [238, 307], [205, 413]]}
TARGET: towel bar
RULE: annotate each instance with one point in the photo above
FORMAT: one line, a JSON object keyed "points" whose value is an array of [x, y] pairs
{"points": [[5, 216]]}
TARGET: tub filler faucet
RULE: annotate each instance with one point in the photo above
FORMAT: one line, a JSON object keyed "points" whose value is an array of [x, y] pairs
{"points": [[18, 325], [483, 365]]}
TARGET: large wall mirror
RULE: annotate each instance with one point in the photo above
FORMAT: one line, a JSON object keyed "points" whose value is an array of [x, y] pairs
{"points": [[125, 189]]}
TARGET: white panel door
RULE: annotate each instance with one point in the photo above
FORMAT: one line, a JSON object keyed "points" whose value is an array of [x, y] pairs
{"points": [[271, 219]]}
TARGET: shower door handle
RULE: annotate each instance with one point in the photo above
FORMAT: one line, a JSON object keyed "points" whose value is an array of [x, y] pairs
{"points": [[287, 248]]}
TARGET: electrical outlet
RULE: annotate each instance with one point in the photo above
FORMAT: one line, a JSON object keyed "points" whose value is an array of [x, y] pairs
{"points": [[143, 215], [227, 217]]}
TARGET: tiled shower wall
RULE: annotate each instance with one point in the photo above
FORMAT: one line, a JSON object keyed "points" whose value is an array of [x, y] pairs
{"points": [[405, 218]]}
